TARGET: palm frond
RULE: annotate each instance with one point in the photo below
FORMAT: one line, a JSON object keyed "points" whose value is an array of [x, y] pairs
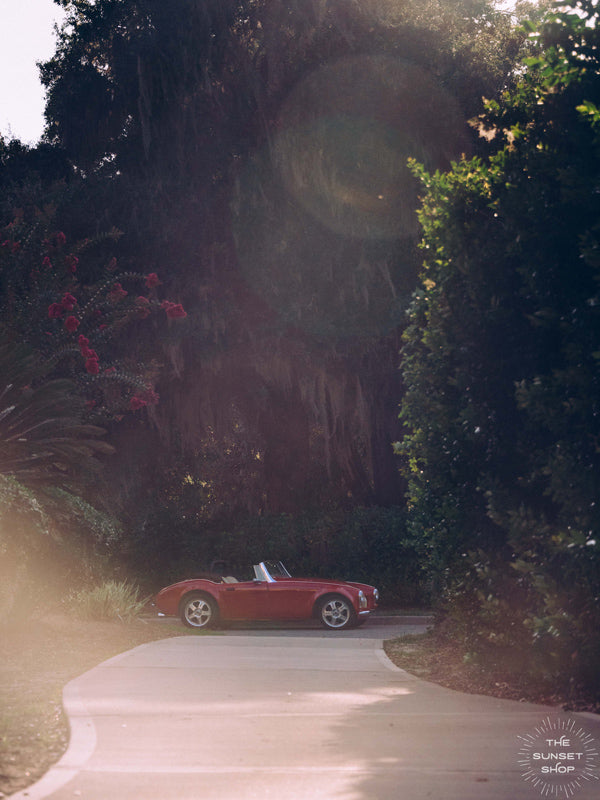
{"points": [[43, 436]]}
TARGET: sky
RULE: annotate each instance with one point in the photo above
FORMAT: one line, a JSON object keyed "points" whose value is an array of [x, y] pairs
{"points": [[26, 36]]}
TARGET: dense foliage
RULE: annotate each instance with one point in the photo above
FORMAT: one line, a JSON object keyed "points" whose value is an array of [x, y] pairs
{"points": [[70, 362], [253, 155], [501, 363], [258, 150]]}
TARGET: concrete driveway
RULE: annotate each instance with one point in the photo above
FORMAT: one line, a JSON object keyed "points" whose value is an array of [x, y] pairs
{"points": [[378, 626], [294, 717]]}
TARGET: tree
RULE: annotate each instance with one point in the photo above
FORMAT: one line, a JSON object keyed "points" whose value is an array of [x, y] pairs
{"points": [[260, 149], [500, 362]]}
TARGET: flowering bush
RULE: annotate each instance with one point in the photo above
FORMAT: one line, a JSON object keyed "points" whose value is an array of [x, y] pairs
{"points": [[76, 325]]}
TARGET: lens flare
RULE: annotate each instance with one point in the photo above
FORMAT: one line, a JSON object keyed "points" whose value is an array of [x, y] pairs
{"points": [[325, 214]]}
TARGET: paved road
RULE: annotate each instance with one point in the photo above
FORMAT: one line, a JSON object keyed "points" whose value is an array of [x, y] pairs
{"points": [[376, 627], [294, 717]]}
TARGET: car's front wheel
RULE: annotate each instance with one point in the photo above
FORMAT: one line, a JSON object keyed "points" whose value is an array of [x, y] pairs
{"points": [[199, 611], [337, 613]]}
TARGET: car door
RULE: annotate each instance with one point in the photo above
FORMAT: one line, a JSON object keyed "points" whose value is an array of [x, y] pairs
{"points": [[244, 600], [289, 599]]}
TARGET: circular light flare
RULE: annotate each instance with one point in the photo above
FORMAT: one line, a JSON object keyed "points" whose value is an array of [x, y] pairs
{"points": [[324, 214], [344, 137]]}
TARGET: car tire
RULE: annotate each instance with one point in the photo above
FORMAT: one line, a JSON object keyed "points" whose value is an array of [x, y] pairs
{"points": [[198, 611], [336, 613]]}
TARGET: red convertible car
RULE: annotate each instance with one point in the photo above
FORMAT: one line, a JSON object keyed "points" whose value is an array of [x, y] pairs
{"points": [[272, 594]]}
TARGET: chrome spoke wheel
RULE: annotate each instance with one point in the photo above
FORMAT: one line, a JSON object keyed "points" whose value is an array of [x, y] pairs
{"points": [[337, 613], [198, 611]]}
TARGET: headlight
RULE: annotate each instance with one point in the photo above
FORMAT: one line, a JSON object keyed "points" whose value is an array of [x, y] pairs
{"points": [[362, 600], [376, 595]]}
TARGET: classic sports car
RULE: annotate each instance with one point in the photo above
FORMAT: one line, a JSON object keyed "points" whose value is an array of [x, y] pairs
{"points": [[272, 594]]}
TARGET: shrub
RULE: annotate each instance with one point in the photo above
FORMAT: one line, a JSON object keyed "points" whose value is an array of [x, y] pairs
{"points": [[534, 615], [109, 601]]}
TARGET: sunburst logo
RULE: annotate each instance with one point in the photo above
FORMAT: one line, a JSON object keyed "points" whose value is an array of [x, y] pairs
{"points": [[558, 758]]}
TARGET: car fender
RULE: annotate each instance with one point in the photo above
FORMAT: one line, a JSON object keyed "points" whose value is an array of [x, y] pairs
{"points": [[169, 599], [198, 590], [332, 591]]}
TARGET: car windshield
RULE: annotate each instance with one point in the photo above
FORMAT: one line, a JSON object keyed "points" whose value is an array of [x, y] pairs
{"points": [[273, 570], [276, 569]]}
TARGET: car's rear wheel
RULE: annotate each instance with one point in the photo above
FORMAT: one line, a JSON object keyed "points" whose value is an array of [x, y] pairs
{"points": [[199, 610], [337, 613]]}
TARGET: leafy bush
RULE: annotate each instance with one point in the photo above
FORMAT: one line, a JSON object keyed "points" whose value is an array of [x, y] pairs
{"points": [[48, 538], [533, 613], [109, 601]]}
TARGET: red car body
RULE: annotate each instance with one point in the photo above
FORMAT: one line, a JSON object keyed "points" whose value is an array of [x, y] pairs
{"points": [[271, 595]]}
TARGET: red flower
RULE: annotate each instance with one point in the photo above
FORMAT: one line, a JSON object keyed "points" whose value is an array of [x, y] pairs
{"points": [[59, 239], [151, 397], [46, 263], [110, 370], [92, 366], [152, 281], [86, 351], [71, 324], [90, 404], [176, 311], [136, 403], [173, 310], [55, 311], [68, 302], [117, 293], [72, 262]]}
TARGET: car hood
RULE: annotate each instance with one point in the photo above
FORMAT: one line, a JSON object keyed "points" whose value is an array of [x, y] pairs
{"points": [[327, 582]]}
